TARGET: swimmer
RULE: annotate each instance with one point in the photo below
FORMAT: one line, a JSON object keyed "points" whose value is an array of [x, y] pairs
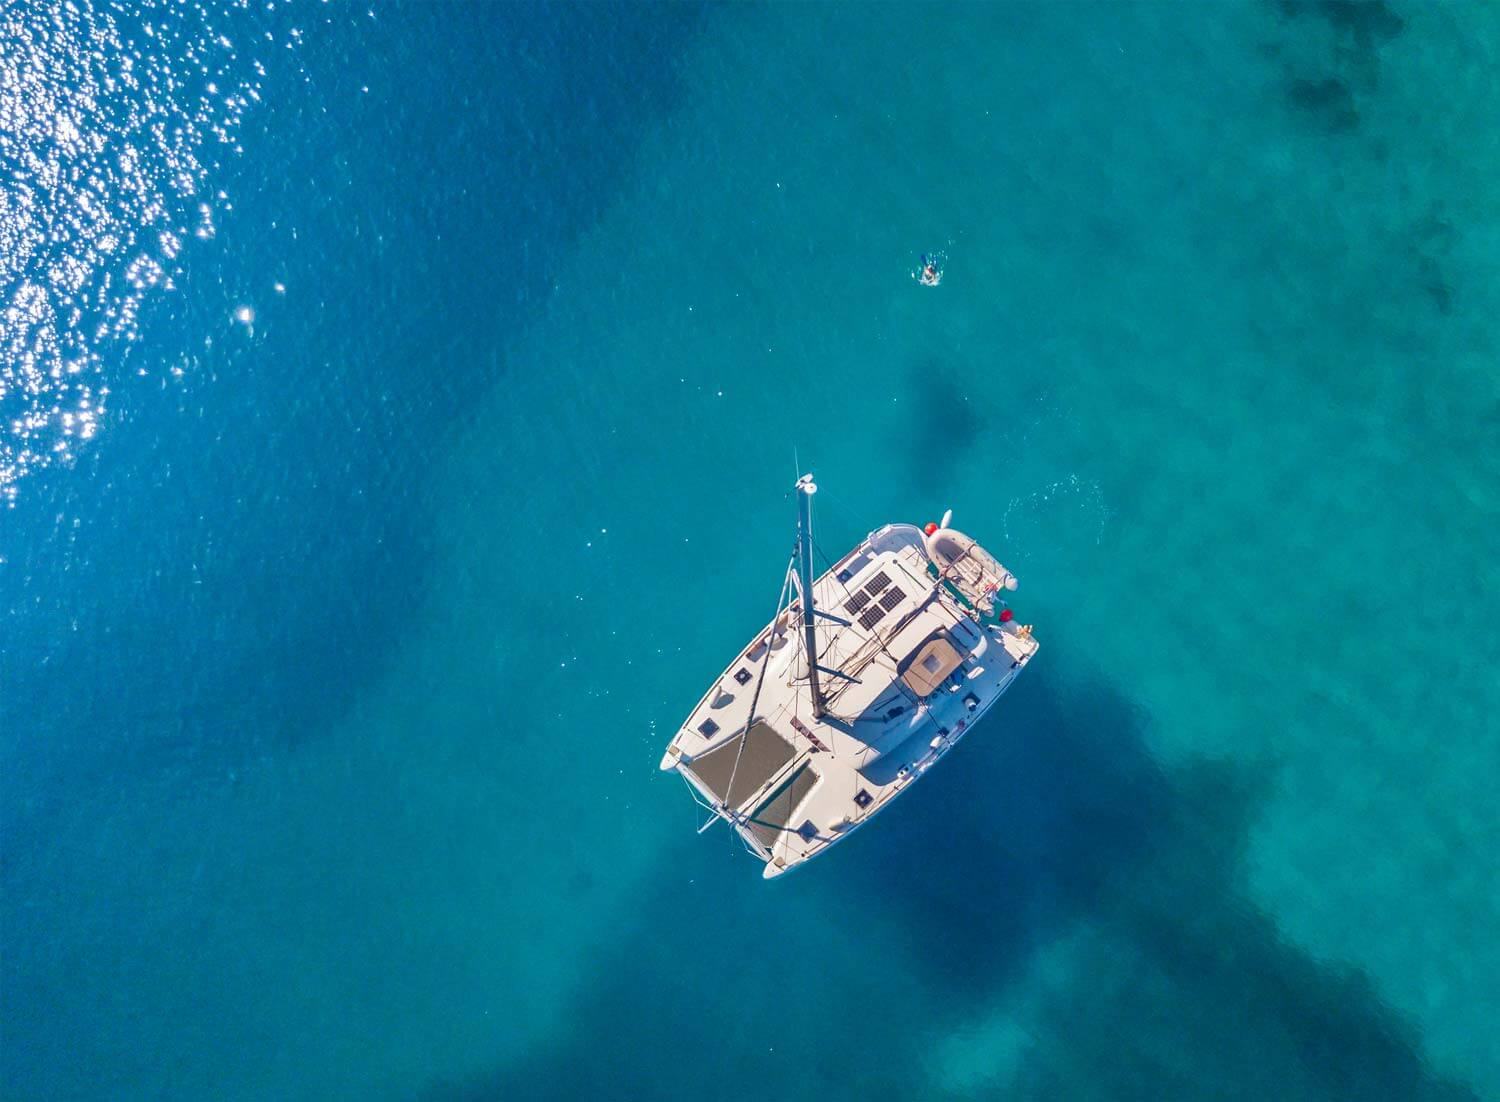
{"points": [[930, 274]]}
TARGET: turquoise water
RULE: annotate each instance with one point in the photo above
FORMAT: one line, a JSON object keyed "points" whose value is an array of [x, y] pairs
{"points": [[340, 648]]}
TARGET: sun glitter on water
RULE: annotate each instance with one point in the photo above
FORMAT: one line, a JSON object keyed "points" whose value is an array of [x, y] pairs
{"points": [[108, 149]]}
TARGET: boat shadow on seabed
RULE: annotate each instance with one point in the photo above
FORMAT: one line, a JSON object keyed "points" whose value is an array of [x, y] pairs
{"points": [[1052, 821]]}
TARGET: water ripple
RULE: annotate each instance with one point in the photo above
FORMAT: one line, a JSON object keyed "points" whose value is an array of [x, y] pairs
{"points": [[113, 118]]}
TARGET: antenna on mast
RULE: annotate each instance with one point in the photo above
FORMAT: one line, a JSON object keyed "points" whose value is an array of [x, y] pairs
{"points": [[806, 487]]}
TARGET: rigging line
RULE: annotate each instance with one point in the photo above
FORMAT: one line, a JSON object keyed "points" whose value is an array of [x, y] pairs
{"points": [[845, 586], [828, 568], [765, 665], [698, 803], [846, 513], [875, 635]]}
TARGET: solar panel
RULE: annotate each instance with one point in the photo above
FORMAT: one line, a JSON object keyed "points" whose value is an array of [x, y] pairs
{"points": [[892, 598], [856, 602], [877, 583], [872, 616]]}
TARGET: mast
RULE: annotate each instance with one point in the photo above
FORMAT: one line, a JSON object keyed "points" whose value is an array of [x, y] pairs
{"points": [[806, 487]]}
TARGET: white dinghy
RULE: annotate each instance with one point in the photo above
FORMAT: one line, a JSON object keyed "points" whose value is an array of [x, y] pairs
{"points": [[973, 571]]}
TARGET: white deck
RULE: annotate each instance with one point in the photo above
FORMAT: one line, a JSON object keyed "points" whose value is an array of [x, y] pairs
{"points": [[797, 785]]}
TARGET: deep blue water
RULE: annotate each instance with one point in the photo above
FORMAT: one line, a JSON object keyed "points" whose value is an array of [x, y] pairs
{"points": [[369, 533]]}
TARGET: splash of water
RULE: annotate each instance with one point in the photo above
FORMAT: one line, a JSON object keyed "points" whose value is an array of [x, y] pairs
{"points": [[113, 118], [1079, 497]]}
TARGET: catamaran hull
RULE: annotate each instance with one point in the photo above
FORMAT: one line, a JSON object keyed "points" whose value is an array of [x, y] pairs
{"points": [[772, 872], [824, 719]]}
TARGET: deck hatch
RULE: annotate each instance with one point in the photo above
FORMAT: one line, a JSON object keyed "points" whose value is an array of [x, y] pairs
{"points": [[925, 670]]}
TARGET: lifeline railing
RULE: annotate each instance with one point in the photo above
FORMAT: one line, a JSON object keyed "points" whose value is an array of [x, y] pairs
{"points": [[719, 812]]}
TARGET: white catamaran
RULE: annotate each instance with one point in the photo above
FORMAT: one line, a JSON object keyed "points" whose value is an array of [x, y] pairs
{"points": [[858, 685]]}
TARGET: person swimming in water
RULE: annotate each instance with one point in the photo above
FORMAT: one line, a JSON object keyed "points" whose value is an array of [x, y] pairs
{"points": [[930, 274]]}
